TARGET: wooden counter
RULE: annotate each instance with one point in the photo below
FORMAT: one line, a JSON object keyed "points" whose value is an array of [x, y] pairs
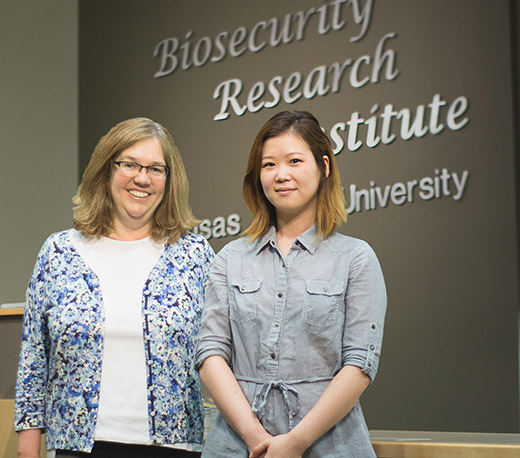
{"points": [[417, 444], [11, 311]]}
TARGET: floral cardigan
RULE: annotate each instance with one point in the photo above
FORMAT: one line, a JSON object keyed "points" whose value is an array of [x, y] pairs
{"points": [[59, 370]]}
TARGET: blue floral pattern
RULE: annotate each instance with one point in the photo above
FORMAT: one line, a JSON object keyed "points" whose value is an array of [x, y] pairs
{"points": [[59, 370]]}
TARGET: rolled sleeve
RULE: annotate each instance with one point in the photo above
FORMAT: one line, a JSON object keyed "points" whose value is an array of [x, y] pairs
{"points": [[215, 333], [365, 308]]}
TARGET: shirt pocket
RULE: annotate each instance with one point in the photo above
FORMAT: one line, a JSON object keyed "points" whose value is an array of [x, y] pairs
{"points": [[321, 308], [244, 299]]}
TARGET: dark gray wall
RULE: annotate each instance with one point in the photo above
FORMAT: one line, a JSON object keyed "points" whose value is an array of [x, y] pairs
{"points": [[450, 356], [39, 146]]}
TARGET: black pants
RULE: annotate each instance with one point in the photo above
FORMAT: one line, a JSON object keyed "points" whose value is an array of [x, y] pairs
{"points": [[117, 450]]}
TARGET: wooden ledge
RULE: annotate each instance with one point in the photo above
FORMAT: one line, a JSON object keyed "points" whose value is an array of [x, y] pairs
{"points": [[418, 444], [12, 311]]}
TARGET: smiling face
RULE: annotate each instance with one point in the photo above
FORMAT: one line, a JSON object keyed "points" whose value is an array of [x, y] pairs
{"points": [[290, 177], [136, 199]]}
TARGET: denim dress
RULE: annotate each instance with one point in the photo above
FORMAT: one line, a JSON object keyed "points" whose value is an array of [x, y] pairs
{"points": [[287, 326]]}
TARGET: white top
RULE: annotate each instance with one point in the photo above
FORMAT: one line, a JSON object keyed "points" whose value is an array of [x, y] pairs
{"points": [[122, 268]]}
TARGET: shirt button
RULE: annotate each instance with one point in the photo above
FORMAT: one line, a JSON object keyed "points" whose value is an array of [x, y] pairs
{"points": [[373, 326], [372, 347], [149, 362], [276, 324], [280, 295], [273, 356]]}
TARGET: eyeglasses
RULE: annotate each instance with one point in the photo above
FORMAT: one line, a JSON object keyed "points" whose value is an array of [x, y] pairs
{"points": [[132, 169]]}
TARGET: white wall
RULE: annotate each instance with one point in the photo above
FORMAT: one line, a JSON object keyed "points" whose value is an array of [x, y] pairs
{"points": [[38, 131]]}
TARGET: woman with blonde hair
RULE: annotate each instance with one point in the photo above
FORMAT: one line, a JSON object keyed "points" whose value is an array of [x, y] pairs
{"points": [[292, 327], [113, 305]]}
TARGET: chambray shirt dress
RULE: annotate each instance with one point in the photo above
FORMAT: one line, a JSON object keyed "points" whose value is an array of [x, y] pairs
{"points": [[287, 326]]}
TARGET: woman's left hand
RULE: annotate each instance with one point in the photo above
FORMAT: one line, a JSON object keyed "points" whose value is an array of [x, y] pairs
{"points": [[282, 446]]}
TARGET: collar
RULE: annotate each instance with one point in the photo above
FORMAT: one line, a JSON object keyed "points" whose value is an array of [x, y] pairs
{"points": [[306, 240], [269, 238], [309, 239]]}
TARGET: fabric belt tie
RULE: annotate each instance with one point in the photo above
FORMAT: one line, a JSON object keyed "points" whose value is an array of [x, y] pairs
{"points": [[261, 399], [291, 409]]}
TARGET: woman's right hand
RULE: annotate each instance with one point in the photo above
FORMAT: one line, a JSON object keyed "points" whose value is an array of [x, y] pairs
{"points": [[220, 381], [282, 446], [254, 442]]}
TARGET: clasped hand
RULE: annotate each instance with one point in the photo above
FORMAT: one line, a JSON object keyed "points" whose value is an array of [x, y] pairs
{"points": [[282, 446]]}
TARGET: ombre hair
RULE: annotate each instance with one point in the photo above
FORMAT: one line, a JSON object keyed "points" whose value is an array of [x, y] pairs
{"points": [[330, 206], [94, 207]]}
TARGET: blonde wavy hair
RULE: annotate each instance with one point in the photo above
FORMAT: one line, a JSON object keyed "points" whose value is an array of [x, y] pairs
{"points": [[93, 212], [331, 205]]}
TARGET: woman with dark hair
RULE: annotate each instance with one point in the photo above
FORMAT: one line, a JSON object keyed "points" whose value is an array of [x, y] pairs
{"points": [[293, 322], [113, 305]]}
